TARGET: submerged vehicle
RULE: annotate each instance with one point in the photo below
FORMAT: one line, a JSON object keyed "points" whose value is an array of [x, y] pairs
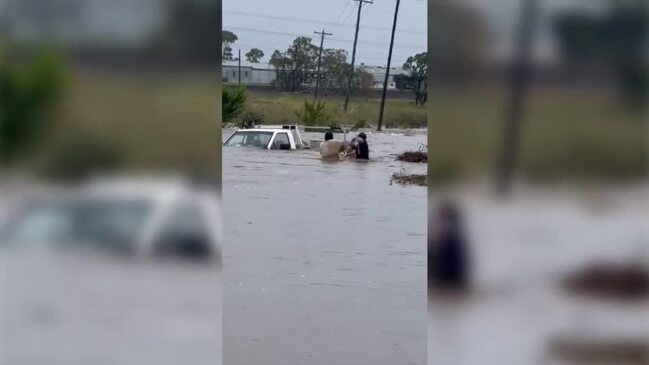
{"points": [[144, 217], [285, 137]]}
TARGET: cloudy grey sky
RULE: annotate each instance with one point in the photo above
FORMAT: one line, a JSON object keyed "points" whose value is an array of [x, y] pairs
{"points": [[271, 25]]}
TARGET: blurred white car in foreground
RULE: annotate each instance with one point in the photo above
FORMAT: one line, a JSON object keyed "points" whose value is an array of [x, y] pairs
{"points": [[144, 217]]}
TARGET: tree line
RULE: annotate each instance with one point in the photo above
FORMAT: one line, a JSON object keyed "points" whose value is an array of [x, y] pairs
{"points": [[297, 65]]}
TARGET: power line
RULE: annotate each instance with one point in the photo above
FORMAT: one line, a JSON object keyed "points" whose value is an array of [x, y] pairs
{"points": [[267, 31], [348, 15], [317, 80], [363, 12], [311, 21], [343, 12]]}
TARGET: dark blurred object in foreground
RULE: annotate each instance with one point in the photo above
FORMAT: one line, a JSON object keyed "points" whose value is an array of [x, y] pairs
{"points": [[610, 281], [448, 265]]}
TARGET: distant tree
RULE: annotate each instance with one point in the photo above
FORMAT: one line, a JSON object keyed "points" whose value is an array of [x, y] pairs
{"points": [[227, 39], [301, 58], [192, 29], [417, 68], [294, 64], [403, 82], [334, 63], [304, 55], [458, 39], [282, 65], [617, 38], [255, 55]]}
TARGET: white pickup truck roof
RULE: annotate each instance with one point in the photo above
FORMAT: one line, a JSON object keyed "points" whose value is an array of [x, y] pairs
{"points": [[292, 133]]}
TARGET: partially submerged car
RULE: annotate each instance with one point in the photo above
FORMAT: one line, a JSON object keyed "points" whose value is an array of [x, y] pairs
{"points": [[285, 137], [140, 217]]}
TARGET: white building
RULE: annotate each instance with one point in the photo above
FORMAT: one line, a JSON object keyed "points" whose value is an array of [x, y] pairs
{"points": [[378, 75], [251, 73]]}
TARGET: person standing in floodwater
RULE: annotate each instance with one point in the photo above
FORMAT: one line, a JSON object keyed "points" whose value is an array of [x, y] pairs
{"points": [[360, 145], [330, 147], [448, 264]]}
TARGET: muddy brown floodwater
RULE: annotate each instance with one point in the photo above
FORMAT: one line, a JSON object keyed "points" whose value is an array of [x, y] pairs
{"points": [[325, 262]]}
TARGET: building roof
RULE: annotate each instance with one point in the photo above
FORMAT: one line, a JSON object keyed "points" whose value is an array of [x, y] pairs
{"points": [[378, 72], [245, 63]]}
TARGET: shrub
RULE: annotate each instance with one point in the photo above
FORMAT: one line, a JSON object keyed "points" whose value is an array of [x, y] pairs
{"points": [[78, 154], [313, 113], [250, 119], [233, 100], [27, 92], [360, 125]]}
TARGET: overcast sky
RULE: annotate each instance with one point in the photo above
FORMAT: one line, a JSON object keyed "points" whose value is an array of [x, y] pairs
{"points": [[271, 25]]}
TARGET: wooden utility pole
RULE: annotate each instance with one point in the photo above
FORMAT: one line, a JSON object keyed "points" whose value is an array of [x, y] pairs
{"points": [[284, 78], [518, 87], [351, 75], [387, 70], [239, 66], [317, 77], [294, 69]]}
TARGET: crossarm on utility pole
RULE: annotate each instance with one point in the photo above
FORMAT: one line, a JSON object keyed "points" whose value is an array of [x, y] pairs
{"points": [[317, 81]]}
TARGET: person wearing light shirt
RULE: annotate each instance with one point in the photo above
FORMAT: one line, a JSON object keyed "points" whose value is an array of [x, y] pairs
{"points": [[330, 148]]}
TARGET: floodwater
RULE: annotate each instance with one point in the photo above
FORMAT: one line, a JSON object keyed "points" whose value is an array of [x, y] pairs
{"points": [[521, 249], [77, 309], [324, 262]]}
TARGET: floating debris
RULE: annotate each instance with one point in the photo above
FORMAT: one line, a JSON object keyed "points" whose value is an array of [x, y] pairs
{"points": [[601, 351], [610, 281], [413, 156], [409, 179]]}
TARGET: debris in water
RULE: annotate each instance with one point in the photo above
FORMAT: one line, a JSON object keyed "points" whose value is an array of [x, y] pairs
{"points": [[601, 351], [409, 179], [413, 156], [612, 281]]}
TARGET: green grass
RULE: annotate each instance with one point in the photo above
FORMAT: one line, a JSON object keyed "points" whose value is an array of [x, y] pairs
{"points": [[567, 135], [278, 108], [153, 121]]}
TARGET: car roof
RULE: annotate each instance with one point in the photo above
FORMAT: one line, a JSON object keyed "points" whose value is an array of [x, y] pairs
{"points": [[263, 130], [144, 188]]}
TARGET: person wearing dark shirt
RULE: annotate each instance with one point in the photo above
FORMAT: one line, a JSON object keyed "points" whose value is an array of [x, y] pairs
{"points": [[361, 147], [448, 263]]}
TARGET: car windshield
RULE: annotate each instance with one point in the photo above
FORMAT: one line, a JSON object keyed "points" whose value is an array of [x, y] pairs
{"points": [[107, 223], [249, 139]]}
